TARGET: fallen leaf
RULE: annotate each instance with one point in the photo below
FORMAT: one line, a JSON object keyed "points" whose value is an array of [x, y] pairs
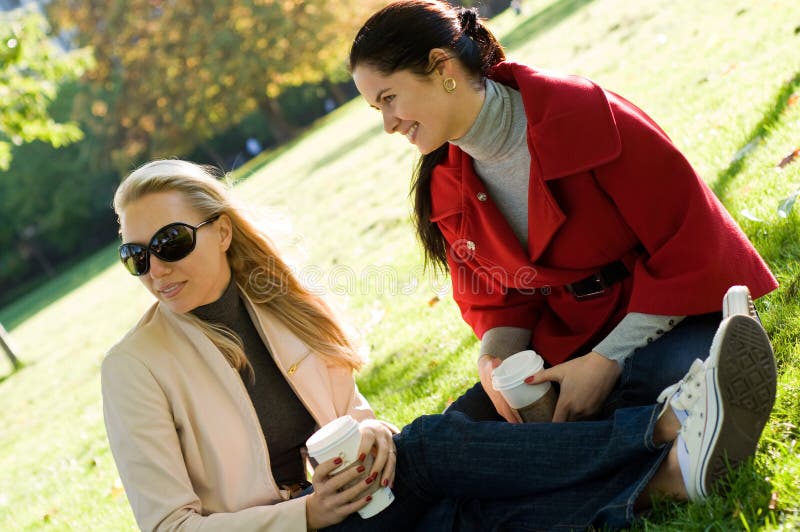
{"points": [[432, 301], [789, 158], [773, 501], [116, 491], [729, 68]]}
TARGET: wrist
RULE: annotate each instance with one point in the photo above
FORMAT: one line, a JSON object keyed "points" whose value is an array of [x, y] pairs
{"points": [[613, 366]]}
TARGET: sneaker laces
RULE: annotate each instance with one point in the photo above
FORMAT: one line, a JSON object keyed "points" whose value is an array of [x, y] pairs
{"points": [[684, 393]]}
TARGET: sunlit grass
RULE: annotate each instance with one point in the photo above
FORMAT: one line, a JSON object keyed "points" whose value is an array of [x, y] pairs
{"points": [[714, 74]]}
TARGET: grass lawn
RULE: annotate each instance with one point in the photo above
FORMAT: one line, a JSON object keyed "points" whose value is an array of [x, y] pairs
{"points": [[720, 76]]}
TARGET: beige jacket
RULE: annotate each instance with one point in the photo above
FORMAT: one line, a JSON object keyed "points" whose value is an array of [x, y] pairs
{"points": [[184, 433]]}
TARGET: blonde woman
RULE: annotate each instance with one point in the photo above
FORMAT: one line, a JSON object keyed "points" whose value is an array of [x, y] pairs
{"points": [[209, 399]]}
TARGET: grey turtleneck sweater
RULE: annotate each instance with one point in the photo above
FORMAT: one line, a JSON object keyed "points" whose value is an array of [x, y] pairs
{"points": [[284, 420], [497, 143]]}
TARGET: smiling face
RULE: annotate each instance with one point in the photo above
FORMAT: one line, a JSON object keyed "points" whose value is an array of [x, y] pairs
{"points": [[199, 278], [415, 106]]}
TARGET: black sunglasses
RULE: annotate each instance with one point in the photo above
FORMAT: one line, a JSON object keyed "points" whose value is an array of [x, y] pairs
{"points": [[171, 243]]}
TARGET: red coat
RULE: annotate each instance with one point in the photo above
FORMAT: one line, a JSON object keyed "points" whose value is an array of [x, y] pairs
{"points": [[605, 180]]}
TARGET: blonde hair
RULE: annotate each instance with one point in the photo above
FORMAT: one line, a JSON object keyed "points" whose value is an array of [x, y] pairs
{"points": [[255, 264]]}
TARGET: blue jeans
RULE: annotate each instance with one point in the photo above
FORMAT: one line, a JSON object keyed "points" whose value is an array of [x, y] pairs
{"points": [[455, 474], [644, 375]]}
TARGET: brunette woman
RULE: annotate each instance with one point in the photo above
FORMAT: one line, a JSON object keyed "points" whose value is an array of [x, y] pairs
{"points": [[566, 218]]}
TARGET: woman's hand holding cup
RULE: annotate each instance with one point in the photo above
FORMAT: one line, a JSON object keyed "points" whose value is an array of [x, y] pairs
{"points": [[486, 365], [331, 502], [376, 439], [351, 457]]}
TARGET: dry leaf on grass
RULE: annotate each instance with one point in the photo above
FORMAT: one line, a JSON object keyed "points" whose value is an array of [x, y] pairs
{"points": [[789, 158]]}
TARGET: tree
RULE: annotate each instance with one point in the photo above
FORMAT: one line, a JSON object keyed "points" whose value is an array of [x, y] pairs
{"points": [[171, 75], [31, 69]]}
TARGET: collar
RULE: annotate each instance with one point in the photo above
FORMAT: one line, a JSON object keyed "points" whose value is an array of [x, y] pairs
{"points": [[571, 129], [570, 122], [226, 310], [488, 138]]}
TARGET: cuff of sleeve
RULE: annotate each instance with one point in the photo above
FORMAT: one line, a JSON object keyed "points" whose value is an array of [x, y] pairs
{"points": [[634, 331], [617, 356], [502, 342]]}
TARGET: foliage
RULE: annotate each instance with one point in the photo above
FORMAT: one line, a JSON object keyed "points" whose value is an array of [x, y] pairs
{"points": [[31, 69], [171, 75], [54, 206]]}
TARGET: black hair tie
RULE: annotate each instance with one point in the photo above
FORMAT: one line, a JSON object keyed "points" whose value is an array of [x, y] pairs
{"points": [[469, 20]]}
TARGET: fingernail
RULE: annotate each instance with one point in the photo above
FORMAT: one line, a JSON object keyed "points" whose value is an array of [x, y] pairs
{"points": [[530, 379], [360, 469], [369, 480], [362, 457], [337, 461], [374, 475], [369, 498], [385, 482]]}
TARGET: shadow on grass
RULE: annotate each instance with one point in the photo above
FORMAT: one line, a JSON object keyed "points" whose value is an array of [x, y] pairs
{"points": [[19, 369], [542, 21], [759, 133], [397, 375], [74, 277]]}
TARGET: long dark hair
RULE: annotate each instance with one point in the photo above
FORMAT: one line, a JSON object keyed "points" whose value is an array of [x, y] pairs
{"points": [[400, 37]]}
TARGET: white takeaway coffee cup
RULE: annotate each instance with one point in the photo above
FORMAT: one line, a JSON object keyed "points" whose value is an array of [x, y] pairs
{"points": [[534, 402], [341, 438]]}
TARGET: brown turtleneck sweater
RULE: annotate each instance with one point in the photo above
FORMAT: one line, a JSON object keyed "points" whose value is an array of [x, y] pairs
{"points": [[285, 422]]}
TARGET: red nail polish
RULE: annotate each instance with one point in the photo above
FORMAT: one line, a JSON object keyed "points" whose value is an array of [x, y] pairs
{"points": [[385, 482], [369, 480], [530, 379], [362, 457], [374, 475], [369, 498], [337, 461], [360, 469]]}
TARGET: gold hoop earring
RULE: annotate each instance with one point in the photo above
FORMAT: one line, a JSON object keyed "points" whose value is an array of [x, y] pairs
{"points": [[449, 85]]}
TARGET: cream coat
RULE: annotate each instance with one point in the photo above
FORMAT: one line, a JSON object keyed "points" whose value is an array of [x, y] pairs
{"points": [[184, 433]]}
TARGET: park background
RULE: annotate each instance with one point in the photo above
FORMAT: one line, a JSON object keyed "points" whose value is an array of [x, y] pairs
{"points": [[196, 79]]}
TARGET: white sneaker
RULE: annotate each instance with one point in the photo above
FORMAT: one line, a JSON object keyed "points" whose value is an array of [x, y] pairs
{"points": [[726, 401], [737, 300]]}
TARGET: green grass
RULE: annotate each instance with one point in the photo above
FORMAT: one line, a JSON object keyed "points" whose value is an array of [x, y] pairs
{"points": [[717, 75]]}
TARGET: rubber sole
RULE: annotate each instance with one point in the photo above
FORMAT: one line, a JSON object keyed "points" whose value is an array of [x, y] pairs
{"points": [[737, 300], [746, 380]]}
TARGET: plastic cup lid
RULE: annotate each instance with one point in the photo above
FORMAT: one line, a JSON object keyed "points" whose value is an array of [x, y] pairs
{"points": [[331, 435], [516, 369]]}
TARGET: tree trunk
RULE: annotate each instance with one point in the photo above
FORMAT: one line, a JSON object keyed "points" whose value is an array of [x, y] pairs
{"points": [[281, 129], [5, 345], [28, 248], [336, 92]]}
